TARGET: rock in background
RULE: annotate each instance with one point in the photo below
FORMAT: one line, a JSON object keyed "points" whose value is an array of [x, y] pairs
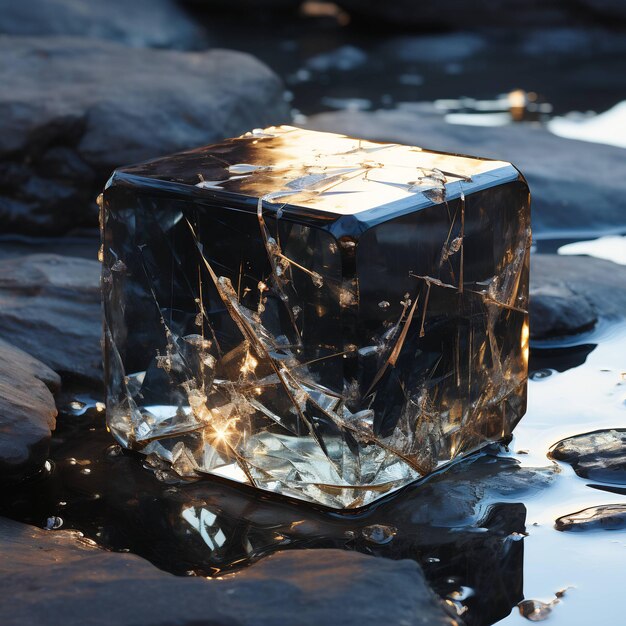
{"points": [[568, 295], [138, 23], [573, 183], [73, 109]]}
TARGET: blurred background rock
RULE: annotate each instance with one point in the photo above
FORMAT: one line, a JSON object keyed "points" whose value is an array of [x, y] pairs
{"points": [[88, 85]]}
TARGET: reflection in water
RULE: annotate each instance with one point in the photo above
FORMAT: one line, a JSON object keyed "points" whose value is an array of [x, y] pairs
{"points": [[608, 127], [483, 530], [610, 248], [464, 526], [543, 360]]}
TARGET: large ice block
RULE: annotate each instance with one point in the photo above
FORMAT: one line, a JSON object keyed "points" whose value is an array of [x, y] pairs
{"points": [[318, 316]]}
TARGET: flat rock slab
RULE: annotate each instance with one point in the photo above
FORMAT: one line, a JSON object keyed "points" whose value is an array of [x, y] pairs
{"points": [[563, 200], [112, 105], [569, 294], [50, 307], [600, 455], [27, 412], [140, 23], [53, 578], [604, 517]]}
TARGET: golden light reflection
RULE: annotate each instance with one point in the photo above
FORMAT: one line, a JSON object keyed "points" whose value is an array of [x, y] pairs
{"points": [[525, 342], [249, 365]]}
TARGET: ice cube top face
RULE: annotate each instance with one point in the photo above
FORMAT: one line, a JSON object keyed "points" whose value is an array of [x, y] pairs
{"points": [[314, 315]]}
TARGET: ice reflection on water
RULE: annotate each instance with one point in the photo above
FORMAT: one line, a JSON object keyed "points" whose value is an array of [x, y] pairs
{"points": [[483, 530]]}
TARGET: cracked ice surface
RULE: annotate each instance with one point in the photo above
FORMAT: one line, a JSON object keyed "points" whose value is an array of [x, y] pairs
{"points": [[317, 316]]}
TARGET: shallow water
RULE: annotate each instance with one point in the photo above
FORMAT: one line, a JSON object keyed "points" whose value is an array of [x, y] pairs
{"points": [[330, 66], [482, 529], [589, 397]]}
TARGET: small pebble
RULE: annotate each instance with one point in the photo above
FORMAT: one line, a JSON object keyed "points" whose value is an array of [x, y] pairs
{"points": [[379, 534]]}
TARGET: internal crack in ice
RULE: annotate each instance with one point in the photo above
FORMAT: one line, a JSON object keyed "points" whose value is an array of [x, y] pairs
{"points": [[246, 324], [269, 382], [390, 361]]}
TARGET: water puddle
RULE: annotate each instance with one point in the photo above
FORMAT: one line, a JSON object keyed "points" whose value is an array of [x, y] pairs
{"points": [[608, 127], [483, 529], [610, 248]]}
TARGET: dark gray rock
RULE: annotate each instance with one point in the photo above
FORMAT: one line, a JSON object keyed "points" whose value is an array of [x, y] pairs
{"points": [[27, 412], [600, 455], [50, 307], [569, 294], [53, 578], [140, 23], [573, 184], [556, 310], [458, 13], [112, 105], [604, 517]]}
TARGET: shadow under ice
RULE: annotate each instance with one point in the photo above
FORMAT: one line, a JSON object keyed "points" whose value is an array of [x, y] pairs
{"points": [[464, 525]]}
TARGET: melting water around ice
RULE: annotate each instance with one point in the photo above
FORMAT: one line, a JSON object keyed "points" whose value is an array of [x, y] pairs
{"points": [[483, 530]]}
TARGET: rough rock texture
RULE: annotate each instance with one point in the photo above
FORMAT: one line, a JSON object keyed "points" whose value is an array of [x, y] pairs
{"points": [[50, 307], [52, 578], [572, 183], [557, 310], [458, 13], [112, 105], [605, 517], [568, 294], [600, 455], [27, 412], [140, 23], [463, 525]]}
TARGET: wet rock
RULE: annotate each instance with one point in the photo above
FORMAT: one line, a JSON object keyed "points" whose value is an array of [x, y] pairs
{"points": [[605, 517], [141, 23], [50, 307], [600, 455], [112, 105], [27, 412], [557, 311], [562, 199], [53, 573], [536, 610], [560, 359], [569, 294], [457, 13], [464, 526]]}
